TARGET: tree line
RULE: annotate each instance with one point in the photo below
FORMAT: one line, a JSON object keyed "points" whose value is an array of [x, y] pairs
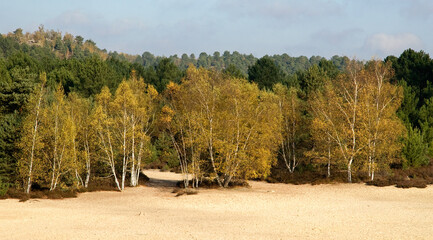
{"points": [[67, 46], [66, 121], [220, 126]]}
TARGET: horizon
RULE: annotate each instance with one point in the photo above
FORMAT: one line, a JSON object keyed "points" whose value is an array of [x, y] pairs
{"points": [[365, 30]]}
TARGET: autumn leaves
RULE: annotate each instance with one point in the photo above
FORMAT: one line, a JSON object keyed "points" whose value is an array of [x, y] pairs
{"points": [[63, 137], [226, 127], [221, 127], [354, 118]]}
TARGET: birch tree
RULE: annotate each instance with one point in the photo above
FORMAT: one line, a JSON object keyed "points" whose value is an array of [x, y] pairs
{"points": [[358, 112], [322, 128], [82, 138], [123, 106], [104, 126], [201, 89], [181, 124], [225, 123], [141, 121], [381, 100], [248, 131], [124, 122], [290, 109], [324, 147], [86, 134], [57, 136], [31, 143], [338, 109]]}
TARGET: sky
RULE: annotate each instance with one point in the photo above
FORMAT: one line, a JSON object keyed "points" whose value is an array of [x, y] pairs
{"points": [[355, 28]]}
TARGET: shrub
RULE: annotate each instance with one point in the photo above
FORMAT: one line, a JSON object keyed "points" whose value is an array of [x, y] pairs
{"points": [[36, 194], [213, 184], [4, 187], [101, 184], [414, 150], [412, 183], [59, 194], [381, 182]]}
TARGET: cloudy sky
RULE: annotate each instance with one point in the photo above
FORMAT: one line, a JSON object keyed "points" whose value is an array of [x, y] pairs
{"points": [[355, 28]]}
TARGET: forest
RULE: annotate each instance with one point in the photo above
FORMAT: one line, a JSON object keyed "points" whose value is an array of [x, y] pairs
{"points": [[72, 114]]}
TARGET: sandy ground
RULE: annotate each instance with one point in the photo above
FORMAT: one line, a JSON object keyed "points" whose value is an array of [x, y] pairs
{"points": [[265, 211]]}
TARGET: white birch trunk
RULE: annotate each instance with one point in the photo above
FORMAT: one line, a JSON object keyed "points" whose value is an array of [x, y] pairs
{"points": [[349, 172], [133, 182], [110, 156], [87, 149], [34, 133], [124, 164], [55, 151], [329, 157]]}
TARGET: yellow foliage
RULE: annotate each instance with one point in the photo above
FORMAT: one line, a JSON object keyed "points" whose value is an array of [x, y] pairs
{"points": [[357, 111], [152, 92], [228, 120], [166, 115]]}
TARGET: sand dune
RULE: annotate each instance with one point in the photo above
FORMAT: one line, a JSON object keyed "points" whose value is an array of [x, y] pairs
{"points": [[264, 211]]}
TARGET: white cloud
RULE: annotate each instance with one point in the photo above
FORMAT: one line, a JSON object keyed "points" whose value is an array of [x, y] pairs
{"points": [[387, 44]]}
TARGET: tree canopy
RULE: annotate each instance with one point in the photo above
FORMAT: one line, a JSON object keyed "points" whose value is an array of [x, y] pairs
{"points": [[72, 113]]}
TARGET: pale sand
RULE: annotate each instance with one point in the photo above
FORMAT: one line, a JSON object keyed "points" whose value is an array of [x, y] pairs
{"points": [[265, 211]]}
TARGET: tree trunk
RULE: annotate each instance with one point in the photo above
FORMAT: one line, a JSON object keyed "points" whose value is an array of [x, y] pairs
{"points": [[111, 162], [293, 139], [369, 165], [124, 151], [77, 175], [349, 171], [227, 180], [79, 179], [86, 182], [123, 177], [35, 131], [133, 182], [211, 153], [287, 163], [138, 168], [113, 170], [53, 175], [87, 148], [29, 181], [329, 158], [56, 127]]}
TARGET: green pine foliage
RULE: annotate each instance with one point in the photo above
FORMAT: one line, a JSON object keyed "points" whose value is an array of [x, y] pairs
{"points": [[266, 72], [414, 151], [81, 68], [4, 186]]}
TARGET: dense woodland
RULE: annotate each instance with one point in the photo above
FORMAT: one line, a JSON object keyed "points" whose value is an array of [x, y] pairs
{"points": [[72, 113]]}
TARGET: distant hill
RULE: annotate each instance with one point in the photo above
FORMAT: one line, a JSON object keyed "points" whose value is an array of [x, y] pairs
{"points": [[49, 43]]}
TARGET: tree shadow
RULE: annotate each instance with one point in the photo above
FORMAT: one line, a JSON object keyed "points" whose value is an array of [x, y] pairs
{"points": [[161, 180], [161, 183]]}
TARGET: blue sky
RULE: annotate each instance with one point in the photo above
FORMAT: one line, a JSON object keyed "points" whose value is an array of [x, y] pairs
{"points": [[357, 28]]}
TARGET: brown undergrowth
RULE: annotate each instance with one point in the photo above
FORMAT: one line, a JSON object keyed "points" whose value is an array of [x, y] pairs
{"points": [[213, 184], [402, 178], [42, 192], [406, 178]]}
